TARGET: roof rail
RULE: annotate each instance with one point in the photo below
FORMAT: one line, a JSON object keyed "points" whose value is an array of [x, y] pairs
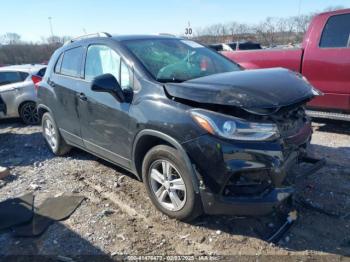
{"points": [[99, 34], [166, 34]]}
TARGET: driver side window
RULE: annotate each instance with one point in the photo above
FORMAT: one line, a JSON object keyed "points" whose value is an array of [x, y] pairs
{"points": [[101, 60]]}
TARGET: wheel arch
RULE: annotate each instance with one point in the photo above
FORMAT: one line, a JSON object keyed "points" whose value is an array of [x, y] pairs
{"points": [[147, 139], [42, 109]]}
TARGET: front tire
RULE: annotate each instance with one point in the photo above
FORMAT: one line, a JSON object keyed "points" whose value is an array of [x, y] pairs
{"points": [[169, 183], [53, 137]]}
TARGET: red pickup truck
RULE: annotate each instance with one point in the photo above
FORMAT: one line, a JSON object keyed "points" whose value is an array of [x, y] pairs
{"points": [[324, 59]]}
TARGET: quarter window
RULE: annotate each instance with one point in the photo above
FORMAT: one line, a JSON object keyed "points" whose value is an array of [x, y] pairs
{"points": [[58, 64], [336, 32], [101, 60], [71, 62], [41, 72]]}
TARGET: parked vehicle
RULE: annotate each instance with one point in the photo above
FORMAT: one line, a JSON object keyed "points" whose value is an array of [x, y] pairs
{"points": [[17, 89], [324, 59], [235, 46], [201, 134]]}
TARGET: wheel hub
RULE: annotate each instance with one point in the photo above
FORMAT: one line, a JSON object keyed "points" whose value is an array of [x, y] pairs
{"points": [[167, 185]]}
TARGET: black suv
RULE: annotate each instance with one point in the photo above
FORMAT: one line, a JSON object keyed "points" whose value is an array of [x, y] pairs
{"points": [[203, 135]]}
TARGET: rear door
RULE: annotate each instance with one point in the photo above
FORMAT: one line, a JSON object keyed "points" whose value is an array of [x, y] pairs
{"points": [[105, 120], [66, 80], [327, 63]]}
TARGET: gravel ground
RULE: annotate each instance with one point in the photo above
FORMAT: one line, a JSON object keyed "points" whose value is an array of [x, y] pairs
{"points": [[117, 218]]}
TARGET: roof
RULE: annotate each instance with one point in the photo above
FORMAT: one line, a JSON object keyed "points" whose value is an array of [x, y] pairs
{"points": [[335, 12], [141, 37], [23, 68]]}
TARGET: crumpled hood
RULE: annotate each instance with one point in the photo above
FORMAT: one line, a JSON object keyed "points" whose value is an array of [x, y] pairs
{"points": [[250, 89]]}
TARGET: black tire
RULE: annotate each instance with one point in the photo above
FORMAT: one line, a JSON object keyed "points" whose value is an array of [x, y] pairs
{"points": [[60, 147], [192, 206], [29, 113]]}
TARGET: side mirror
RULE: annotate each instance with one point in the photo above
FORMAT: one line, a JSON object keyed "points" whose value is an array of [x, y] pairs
{"points": [[109, 84]]}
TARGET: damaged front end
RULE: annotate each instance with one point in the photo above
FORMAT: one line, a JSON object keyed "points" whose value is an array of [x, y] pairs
{"points": [[249, 176], [257, 133]]}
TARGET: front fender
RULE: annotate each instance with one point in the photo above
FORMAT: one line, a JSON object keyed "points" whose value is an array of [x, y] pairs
{"points": [[171, 141]]}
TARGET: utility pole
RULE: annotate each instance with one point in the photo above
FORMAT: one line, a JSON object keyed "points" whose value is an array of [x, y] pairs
{"points": [[299, 8], [50, 24]]}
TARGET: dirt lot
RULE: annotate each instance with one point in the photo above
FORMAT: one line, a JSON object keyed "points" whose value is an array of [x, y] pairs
{"points": [[117, 217]]}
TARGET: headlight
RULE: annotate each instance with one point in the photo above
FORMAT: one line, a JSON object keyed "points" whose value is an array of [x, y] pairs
{"points": [[233, 128]]}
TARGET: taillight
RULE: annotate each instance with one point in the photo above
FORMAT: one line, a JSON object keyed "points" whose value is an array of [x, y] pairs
{"points": [[36, 79]]}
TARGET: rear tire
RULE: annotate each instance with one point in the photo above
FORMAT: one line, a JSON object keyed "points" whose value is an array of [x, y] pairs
{"points": [[53, 137], [169, 183], [29, 113]]}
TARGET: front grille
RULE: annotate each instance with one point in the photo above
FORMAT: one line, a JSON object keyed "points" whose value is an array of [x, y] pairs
{"points": [[248, 183]]}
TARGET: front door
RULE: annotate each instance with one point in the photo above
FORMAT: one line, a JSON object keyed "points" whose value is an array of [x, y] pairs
{"points": [[105, 120]]}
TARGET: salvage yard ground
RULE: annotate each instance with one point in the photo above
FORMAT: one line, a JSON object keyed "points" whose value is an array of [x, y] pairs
{"points": [[118, 218]]}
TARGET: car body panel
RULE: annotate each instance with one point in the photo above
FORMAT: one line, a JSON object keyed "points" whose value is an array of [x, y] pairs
{"points": [[268, 88], [326, 68], [268, 58], [17, 93]]}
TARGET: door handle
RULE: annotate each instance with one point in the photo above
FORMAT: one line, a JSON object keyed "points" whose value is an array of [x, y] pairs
{"points": [[51, 83], [82, 96]]}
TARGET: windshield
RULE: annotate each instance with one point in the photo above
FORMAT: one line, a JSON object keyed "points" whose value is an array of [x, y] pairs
{"points": [[175, 60]]}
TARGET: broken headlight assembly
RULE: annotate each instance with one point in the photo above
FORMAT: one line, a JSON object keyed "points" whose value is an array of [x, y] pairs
{"points": [[233, 128]]}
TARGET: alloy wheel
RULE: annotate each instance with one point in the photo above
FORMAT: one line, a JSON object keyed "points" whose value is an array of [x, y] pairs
{"points": [[50, 133], [29, 114], [167, 185]]}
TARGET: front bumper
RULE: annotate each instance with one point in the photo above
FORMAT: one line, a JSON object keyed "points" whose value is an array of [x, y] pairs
{"points": [[246, 178], [247, 206]]}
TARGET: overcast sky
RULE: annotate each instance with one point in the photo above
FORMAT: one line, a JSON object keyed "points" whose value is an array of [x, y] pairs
{"points": [[29, 18]]}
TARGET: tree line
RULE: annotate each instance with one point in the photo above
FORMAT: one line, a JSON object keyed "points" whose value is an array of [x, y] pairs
{"points": [[270, 32], [14, 51]]}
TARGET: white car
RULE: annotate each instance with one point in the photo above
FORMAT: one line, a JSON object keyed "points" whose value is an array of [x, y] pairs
{"points": [[17, 90]]}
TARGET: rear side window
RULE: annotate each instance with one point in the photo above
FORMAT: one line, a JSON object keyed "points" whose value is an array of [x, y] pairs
{"points": [[336, 33], [71, 62], [10, 78]]}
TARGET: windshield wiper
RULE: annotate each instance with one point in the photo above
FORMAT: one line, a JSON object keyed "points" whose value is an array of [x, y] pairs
{"points": [[170, 80]]}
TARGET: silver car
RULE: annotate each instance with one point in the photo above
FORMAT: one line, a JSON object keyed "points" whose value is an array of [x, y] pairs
{"points": [[17, 90]]}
